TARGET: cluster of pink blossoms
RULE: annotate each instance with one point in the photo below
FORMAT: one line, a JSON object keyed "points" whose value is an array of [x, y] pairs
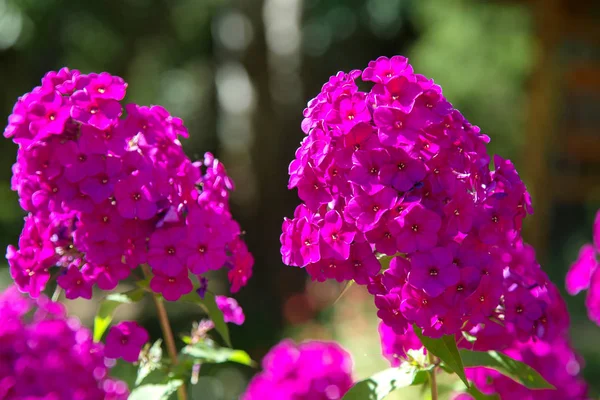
{"points": [[584, 274], [311, 370], [45, 355], [398, 172], [105, 194], [551, 356]]}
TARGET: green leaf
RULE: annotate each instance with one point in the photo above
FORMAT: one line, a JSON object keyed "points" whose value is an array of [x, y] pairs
{"points": [[217, 355], [516, 370], [155, 391], [445, 349], [209, 304], [109, 305], [477, 395], [378, 386]]}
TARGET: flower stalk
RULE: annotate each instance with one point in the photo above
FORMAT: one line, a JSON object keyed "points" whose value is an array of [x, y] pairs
{"points": [[167, 332]]}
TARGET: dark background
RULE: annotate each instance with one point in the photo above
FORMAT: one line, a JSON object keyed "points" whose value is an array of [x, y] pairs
{"points": [[240, 72]]}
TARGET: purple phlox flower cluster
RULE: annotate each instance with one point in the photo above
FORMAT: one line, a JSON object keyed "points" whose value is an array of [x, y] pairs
{"points": [[553, 358], [125, 340], [397, 172], [311, 370], [584, 274], [46, 355], [232, 312], [107, 189]]}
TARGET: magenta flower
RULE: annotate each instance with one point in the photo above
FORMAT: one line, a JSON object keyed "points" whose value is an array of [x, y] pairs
{"points": [[581, 271], [398, 92], [388, 310], [522, 309], [38, 334], [483, 302], [97, 112], [433, 271], [309, 241], [368, 209], [171, 287], [309, 370], [168, 252], [459, 213], [403, 172], [335, 240], [50, 114], [396, 128], [394, 346], [206, 250], [101, 186], [75, 283], [362, 263], [125, 340], [103, 86], [232, 312], [416, 230], [313, 190], [383, 69], [135, 198], [109, 275], [366, 169]]}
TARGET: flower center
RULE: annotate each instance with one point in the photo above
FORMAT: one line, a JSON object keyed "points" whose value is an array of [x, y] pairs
{"points": [[170, 250], [374, 170], [519, 309], [401, 166], [415, 228], [136, 196], [433, 272], [482, 298], [93, 110], [201, 249], [52, 117], [375, 208], [460, 288], [101, 90], [495, 219], [456, 212]]}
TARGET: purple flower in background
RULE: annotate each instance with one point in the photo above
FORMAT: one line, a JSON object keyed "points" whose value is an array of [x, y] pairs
{"points": [[581, 271], [38, 334], [125, 340], [311, 370], [232, 312]]}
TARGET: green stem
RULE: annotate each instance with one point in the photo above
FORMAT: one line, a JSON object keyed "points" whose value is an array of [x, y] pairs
{"points": [[163, 318], [432, 377], [56, 294]]}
